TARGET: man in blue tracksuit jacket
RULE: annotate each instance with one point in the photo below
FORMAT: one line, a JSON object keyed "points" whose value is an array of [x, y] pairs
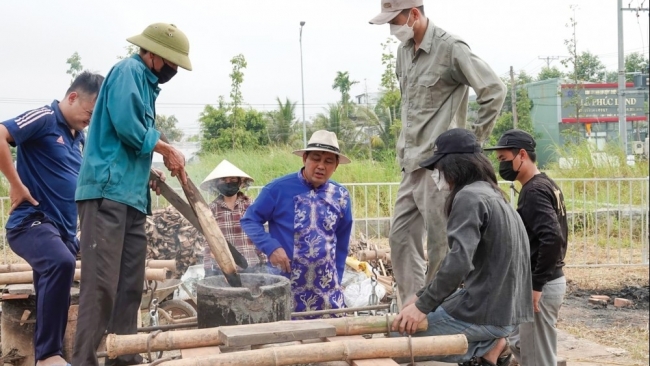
{"points": [[42, 224]]}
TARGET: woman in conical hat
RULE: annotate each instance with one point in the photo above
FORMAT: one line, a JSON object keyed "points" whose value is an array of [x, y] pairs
{"points": [[226, 181]]}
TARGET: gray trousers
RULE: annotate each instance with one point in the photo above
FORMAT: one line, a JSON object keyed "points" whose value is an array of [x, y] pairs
{"points": [[419, 213], [113, 253], [535, 344]]}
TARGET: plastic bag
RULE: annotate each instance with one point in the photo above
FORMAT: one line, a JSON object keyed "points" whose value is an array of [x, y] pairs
{"points": [[358, 294]]}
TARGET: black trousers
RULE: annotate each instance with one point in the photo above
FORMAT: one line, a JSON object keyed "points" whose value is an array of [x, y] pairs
{"points": [[113, 254]]}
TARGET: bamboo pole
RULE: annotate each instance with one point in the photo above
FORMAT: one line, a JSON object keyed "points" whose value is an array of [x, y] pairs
{"points": [[24, 267], [117, 345], [151, 274], [346, 350], [371, 255]]}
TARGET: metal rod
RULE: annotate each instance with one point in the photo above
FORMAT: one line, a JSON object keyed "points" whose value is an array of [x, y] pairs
{"points": [[338, 311], [622, 119], [167, 327]]}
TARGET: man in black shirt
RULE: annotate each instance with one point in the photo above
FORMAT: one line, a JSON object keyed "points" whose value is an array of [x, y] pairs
{"points": [[541, 207]]}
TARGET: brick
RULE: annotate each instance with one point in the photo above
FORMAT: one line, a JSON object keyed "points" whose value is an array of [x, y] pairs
{"points": [[622, 303], [595, 301]]}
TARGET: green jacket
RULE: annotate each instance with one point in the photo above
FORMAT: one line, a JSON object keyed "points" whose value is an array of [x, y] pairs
{"points": [[121, 138]]}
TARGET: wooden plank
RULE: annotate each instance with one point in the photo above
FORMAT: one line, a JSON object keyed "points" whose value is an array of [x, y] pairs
{"points": [[375, 362], [14, 297], [20, 289], [254, 334], [200, 352]]}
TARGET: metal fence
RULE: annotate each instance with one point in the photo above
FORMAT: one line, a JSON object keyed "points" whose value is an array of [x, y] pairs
{"points": [[608, 218]]}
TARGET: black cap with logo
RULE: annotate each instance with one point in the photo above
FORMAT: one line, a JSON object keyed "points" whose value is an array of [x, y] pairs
{"points": [[454, 141], [515, 139]]}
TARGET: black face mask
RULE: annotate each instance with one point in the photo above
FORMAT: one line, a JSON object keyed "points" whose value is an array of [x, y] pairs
{"points": [[507, 171], [165, 74], [228, 189]]}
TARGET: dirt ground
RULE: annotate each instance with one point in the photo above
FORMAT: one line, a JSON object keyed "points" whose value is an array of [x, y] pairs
{"points": [[623, 332]]}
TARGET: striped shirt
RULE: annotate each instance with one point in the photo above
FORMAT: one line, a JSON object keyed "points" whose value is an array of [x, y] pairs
{"points": [[229, 223]]}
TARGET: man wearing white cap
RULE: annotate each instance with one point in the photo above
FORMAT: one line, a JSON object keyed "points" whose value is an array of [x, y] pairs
{"points": [[310, 221], [226, 180], [435, 69]]}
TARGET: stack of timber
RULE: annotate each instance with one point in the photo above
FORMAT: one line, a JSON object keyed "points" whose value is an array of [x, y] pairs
{"points": [[171, 236]]}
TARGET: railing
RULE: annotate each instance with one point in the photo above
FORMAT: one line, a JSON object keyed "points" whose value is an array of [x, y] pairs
{"points": [[608, 218]]}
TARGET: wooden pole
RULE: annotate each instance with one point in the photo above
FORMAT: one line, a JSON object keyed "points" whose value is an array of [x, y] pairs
{"points": [[24, 267], [117, 345], [152, 274], [371, 255], [346, 350]]}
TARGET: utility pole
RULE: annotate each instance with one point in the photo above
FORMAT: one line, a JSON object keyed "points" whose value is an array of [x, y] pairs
{"points": [[548, 60], [622, 118], [513, 97], [302, 82]]}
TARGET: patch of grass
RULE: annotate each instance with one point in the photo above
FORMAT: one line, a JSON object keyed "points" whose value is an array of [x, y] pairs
{"points": [[598, 279]]}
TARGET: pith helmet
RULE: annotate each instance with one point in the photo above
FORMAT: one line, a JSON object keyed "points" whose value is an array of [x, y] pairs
{"points": [[166, 41], [223, 170]]}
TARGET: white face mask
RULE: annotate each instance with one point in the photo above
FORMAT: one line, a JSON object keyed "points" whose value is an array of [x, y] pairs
{"points": [[439, 180], [403, 32]]}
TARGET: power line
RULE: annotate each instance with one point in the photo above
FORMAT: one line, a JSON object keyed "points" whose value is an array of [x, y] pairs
{"points": [[549, 59]]}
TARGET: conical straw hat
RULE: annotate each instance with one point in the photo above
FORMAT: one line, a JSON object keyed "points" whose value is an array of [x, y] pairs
{"points": [[224, 169]]}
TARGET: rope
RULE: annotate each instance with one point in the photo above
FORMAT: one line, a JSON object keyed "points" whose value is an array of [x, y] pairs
{"points": [[151, 336], [411, 350], [387, 326], [161, 360]]}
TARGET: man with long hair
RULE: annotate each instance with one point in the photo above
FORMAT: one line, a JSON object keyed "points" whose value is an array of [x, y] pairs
{"points": [[482, 289]]}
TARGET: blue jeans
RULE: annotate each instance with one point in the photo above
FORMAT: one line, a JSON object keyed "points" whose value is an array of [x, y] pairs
{"points": [[52, 258], [480, 338]]}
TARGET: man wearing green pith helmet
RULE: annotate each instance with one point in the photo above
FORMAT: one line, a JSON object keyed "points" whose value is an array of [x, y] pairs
{"points": [[112, 193]]}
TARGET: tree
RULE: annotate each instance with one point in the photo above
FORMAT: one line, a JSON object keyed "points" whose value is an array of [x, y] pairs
{"points": [[334, 119], [590, 68], [167, 125], [130, 51], [574, 62], [74, 66], [229, 125], [521, 79], [236, 99], [549, 73], [505, 121], [635, 62], [391, 98], [282, 121], [343, 84]]}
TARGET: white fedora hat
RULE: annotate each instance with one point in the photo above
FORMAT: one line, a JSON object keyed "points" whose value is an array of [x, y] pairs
{"points": [[323, 140], [223, 170]]}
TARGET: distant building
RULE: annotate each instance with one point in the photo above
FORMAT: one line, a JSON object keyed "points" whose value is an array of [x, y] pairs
{"points": [[370, 99], [554, 116]]}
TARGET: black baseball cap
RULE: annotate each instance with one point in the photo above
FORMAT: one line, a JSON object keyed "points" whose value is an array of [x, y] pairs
{"points": [[515, 139], [454, 141]]}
